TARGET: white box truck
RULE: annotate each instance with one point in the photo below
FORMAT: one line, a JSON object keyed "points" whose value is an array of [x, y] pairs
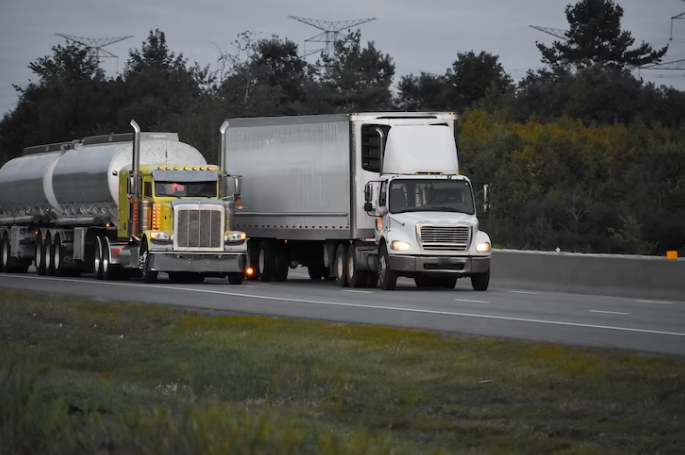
{"points": [[360, 199]]}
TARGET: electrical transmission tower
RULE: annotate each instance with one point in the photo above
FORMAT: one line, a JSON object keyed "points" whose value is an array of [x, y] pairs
{"points": [[330, 32], [556, 32], [95, 45], [680, 16]]}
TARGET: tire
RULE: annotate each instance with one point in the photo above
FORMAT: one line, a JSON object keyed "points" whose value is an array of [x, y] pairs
{"points": [[58, 257], [266, 261], [341, 277], [317, 273], [448, 282], [282, 263], [50, 256], [427, 282], [387, 279], [236, 278], [148, 275], [355, 278], [97, 258], [480, 281], [40, 257]]}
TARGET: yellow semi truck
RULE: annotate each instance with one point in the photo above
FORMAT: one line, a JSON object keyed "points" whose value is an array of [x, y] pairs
{"points": [[120, 206]]}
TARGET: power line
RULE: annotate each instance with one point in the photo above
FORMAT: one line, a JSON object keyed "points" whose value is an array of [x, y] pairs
{"points": [[330, 32], [95, 45]]}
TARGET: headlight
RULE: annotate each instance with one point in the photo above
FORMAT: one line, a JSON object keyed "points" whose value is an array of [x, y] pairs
{"points": [[160, 235], [235, 236], [483, 247], [398, 245]]}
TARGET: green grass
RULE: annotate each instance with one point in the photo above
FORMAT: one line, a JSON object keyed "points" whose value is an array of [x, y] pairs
{"points": [[86, 377]]}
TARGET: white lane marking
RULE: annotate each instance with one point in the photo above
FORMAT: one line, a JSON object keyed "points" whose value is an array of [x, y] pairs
{"points": [[357, 305], [657, 302], [523, 292], [359, 292], [471, 301], [607, 312]]}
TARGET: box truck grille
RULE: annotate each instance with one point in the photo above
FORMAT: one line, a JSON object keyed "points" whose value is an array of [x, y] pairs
{"points": [[199, 229], [455, 238]]}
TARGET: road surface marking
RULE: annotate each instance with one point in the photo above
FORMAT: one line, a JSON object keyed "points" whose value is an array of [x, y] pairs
{"points": [[470, 301], [524, 292], [607, 312], [657, 302], [351, 305], [354, 290]]}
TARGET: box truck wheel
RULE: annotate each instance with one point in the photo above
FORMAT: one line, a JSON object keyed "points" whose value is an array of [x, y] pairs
{"points": [[387, 279], [355, 277], [480, 281]]}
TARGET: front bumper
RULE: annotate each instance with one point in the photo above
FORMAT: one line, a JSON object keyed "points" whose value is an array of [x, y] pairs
{"points": [[442, 265], [177, 261]]}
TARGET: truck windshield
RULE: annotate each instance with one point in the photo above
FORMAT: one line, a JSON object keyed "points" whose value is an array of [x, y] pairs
{"points": [[185, 189], [414, 195]]}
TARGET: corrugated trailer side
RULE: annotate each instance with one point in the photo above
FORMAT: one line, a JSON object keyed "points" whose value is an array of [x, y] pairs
{"points": [[296, 176]]}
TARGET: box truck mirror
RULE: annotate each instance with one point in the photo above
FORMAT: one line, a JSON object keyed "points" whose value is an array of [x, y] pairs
{"points": [[368, 193]]}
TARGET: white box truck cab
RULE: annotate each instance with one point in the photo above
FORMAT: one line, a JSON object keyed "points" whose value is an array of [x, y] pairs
{"points": [[360, 199]]}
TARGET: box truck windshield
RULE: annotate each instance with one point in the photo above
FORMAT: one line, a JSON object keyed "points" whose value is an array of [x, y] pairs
{"points": [[437, 195], [186, 189]]}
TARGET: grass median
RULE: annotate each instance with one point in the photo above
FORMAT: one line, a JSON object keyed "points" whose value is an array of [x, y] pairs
{"points": [[86, 377]]}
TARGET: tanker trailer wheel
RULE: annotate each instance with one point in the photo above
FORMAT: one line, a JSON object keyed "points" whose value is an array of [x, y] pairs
{"points": [[41, 249], [149, 276], [97, 257], [58, 253], [4, 254]]}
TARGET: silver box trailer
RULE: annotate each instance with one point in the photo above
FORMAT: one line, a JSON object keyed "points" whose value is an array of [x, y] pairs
{"points": [[305, 182]]}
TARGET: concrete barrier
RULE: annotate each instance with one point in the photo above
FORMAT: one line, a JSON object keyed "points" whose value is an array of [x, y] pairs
{"points": [[643, 277]]}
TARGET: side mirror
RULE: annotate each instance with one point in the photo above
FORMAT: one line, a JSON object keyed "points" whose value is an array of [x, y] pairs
{"points": [[130, 185], [368, 193], [486, 197], [237, 186]]}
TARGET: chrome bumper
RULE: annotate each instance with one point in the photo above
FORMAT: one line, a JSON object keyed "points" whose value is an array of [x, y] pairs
{"points": [[440, 265], [224, 262]]}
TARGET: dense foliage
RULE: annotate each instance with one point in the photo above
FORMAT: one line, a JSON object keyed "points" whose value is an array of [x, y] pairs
{"points": [[579, 155]]}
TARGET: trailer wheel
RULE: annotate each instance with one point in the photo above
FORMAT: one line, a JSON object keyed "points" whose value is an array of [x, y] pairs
{"points": [[480, 281], [97, 257], [4, 254], [267, 261], [282, 263], [40, 256], [341, 276], [58, 257]]}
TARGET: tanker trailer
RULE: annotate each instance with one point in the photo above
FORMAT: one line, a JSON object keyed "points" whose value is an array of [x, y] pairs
{"points": [[118, 206]]}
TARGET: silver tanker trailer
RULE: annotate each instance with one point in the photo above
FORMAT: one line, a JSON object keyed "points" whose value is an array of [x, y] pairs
{"points": [[118, 206]]}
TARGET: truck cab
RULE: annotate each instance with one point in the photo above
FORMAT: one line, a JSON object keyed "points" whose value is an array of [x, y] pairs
{"points": [[426, 222], [181, 219]]}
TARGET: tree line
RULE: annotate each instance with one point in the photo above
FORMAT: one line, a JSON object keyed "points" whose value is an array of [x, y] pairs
{"points": [[579, 155]]}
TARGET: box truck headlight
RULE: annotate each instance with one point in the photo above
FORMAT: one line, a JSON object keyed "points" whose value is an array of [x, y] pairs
{"points": [[398, 245], [483, 247], [235, 237], [160, 236]]}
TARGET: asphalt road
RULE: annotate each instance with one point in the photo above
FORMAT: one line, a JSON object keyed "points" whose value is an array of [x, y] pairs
{"points": [[633, 324]]}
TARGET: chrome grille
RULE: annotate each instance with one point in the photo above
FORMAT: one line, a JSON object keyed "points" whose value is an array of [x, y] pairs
{"points": [[199, 228], [455, 238]]}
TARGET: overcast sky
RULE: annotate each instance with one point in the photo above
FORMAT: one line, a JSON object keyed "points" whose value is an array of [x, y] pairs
{"points": [[420, 36]]}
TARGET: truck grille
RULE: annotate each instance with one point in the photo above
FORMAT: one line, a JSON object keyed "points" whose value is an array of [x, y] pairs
{"points": [[455, 238], [199, 229]]}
